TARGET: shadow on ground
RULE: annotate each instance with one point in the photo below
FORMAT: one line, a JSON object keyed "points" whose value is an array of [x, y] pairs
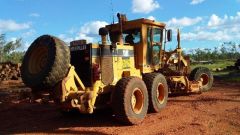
{"points": [[20, 117], [39, 118]]}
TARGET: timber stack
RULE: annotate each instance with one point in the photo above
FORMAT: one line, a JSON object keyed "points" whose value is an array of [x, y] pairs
{"points": [[10, 71]]}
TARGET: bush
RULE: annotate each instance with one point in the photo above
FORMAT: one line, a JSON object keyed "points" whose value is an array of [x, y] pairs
{"points": [[9, 50]]}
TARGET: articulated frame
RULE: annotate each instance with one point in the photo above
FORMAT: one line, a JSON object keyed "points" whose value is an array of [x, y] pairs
{"points": [[71, 93]]}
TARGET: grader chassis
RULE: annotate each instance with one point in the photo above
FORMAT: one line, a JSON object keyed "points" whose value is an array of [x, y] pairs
{"points": [[133, 73]]}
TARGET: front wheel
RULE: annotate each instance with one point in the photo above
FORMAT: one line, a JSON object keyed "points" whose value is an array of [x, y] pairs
{"points": [[202, 74], [130, 100]]}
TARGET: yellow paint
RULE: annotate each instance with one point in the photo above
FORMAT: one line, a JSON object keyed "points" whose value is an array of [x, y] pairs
{"points": [[84, 98]]}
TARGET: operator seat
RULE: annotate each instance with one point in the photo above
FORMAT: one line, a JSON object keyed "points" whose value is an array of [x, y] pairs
{"points": [[129, 39]]}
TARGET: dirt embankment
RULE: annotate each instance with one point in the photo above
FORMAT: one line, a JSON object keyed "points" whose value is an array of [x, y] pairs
{"points": [[213, 112]]}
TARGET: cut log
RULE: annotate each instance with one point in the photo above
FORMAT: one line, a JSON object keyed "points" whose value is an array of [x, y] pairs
{"points": [[9, 71]]}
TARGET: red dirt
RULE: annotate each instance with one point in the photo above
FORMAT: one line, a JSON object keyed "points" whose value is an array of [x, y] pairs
{"points": [[213, 112]]}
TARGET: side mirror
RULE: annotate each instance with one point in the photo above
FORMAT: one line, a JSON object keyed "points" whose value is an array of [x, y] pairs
{"points": [[169, 35]]}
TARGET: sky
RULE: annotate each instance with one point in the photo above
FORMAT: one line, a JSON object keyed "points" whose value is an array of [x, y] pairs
{"points": [[203, 23]]}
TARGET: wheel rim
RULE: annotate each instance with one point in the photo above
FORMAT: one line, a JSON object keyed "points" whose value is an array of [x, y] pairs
{"points": [[160, 93], [204, 78], [38, 59], [137, 100]]}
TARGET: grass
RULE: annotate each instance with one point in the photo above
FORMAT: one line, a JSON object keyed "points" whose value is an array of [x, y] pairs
{"points": [[224, 74], [218, 64]]}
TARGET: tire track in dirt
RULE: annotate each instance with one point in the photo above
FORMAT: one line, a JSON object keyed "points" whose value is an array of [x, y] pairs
{"points": [[213, 112]]}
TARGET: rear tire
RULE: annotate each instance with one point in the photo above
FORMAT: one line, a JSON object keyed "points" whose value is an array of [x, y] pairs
{"points": [[130, 100], [157, 90], [45, 63], [202, 73]]}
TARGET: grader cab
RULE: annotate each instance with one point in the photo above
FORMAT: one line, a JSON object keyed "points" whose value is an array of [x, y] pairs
{"points": [[132, 73]]}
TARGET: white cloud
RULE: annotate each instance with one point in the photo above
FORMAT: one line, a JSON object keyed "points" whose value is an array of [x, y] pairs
{"points": [[72, 30], [195, 2], [226, 28], [10, 25], [225, 22], [185, 21], [89, 31], [89, 39], [214, 21], [29, 33], [151, 18], [144, 6], [92, 27], [65, 38], [206, 35], [34, 15], [220, 35]]}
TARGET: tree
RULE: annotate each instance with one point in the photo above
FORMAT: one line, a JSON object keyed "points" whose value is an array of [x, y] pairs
{"points": [[223, 51], [228, 50], [207, 53], [8, 50], [215, 54], [2, 43]]}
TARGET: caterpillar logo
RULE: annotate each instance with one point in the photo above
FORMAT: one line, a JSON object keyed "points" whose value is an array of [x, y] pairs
{"points": [[79, 47], [125, 53]]}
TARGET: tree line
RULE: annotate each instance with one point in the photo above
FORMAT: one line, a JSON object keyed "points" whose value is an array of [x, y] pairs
{"points": [[9, 50], [227, 51]]}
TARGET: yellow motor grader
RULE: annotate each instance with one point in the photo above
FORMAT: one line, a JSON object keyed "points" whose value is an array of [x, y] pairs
{"points": [[129, 70]]}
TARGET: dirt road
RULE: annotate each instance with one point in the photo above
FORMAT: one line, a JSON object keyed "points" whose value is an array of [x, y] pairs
{"points": [[214, 112]]}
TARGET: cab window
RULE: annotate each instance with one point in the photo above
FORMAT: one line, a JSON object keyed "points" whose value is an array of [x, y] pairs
{"points": [[157, 35], [132, 36]]}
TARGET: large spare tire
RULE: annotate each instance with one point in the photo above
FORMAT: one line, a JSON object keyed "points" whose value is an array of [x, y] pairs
{"points": [[45, 63]]}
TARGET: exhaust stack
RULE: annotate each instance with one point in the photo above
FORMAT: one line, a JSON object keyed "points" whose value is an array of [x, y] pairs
{"points": [[103, 32]]}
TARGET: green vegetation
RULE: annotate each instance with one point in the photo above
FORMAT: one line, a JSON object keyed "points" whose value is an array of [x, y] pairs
{"points": [[220, 58], [220, 71], [220, 64], [230, 76], [227, 51], [9, 50]]}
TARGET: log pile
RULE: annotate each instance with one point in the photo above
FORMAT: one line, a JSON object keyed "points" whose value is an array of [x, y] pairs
{"points": [[9, 71]]}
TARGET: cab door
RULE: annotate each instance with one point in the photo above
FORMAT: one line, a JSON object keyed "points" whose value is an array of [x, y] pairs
{"points": [[154, 43]]}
